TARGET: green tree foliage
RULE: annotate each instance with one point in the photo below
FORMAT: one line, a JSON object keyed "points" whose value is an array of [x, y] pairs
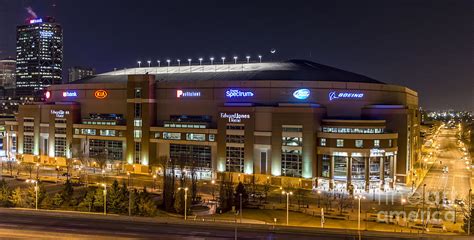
{"points": [[99, 199], [179, 202], [67, 193], [240, 190], [117, 198], [145, 204], [30, 195], [226, 193], [57, 200], [18, 198], [88, 199], [5, 193]]}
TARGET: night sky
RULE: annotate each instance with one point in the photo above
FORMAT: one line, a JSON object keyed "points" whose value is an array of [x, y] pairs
{"points": [[424, 45]]}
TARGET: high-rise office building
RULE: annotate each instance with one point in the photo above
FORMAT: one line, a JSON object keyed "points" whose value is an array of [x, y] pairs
{"points": [[7, 72], [76, 73], [39, 56]]}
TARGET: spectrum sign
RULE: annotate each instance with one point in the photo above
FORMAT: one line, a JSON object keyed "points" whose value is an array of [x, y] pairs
{"points": [[301, 94], [237, 93], [345, 95], [182, 93], [69, 94]]}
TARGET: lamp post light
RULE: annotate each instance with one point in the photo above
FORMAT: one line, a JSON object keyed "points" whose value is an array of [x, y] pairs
{"points": [[37, 171], [260, 58], [319, 198], [287, 204], [403, 204], [57, 170], [159, 63], [223, 60], [358, 212], [248, 59], [213, 182], [129, 196], [235, 59], [185, 200], [240, 196], [139, 63], [423, 208], [149, 63], [212, 60], [179, 62], [36, 191], [200, 61], [105, 198], [189, 63]]}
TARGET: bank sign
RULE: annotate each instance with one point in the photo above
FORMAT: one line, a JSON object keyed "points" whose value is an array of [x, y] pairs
{"points": [[345, 95], [69, 94], [235, 117]]}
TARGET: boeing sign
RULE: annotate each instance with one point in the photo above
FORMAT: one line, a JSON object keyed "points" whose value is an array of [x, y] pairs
{"points": [[345, 95]]}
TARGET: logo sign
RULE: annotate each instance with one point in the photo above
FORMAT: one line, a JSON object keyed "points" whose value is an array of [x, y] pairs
{"points": [[345, 95], [70, 94], [232, 93], [59, 113], [301, 94], [37, 20], [100, 94], [182, 93], [46, 34], [235, 117]]}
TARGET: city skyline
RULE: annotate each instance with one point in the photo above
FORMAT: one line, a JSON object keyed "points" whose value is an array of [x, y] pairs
{"points": [[422, 46]]}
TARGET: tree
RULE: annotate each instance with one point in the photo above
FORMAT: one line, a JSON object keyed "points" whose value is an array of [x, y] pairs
{"points": [[89, 199], [469, 216], [17, 198], [67, 193], [168, 183], [266, 189], [28, 167], [241, 191], [343, 202], [5, 193], [30, 195], [146, 205], [117, 198], [57, 200], [99, 198], [226, 190], [179, 202]]}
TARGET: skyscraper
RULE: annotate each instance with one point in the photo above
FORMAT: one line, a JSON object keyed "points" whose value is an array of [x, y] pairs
{"points": [[76, 73], [7, 72], [39, 56]]}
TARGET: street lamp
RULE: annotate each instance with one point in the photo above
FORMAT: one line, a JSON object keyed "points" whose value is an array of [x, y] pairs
{"points": [[36, 191], [319, 198], [185, 200], [235, 59], [168, 61], [139, 63], [287, 204], [223, 60], [149, 63], [213, 182], [248, 59], [260, 58], [179, 62], [200, 61], [159, 63], [423, 208], [403, 204], [212, 60], [37, 171], [358, 212], [105, 198], [240, 196]]}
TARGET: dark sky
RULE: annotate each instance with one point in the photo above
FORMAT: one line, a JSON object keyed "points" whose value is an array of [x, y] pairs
{"points": [[425, 45]]}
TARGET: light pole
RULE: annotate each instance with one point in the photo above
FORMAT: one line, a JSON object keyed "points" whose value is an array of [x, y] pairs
{"points": [[168, 61], [179, 62], [139, 63], [149, 63], [212, 60], [213, 182], [105, 198], [37, 171], [185, 200], [287, 204], [189, 62], [240, 196], [235, 59], [423, 208], [159, 63], [319, 198], [248, 59], [260, 58], [358, 212], [223, 60], [129, 196], [36, 191], [403, 205], [200, 61]]}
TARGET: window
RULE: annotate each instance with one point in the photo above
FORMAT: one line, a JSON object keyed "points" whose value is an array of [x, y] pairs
{"points": [[106, 132], [87, 131], [137, 133], [291, 163], [138, 110], [212, 137], [234, 159], [138, 152], [359, 143], [326, 168], [234, 138], [28, 129], [60, 130], [199, 155], [292, 141], [28, 143], [59, 147], [157, 135], [171, 136], [340, 143], [113, 149], [390, 143], [137, 122], [138, 93], [322, 142], [195, 137], [376, 143]]}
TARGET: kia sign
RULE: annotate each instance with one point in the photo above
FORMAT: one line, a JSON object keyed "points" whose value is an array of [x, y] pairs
{"points": [[344, 95], [100, 94], [301, 94]]}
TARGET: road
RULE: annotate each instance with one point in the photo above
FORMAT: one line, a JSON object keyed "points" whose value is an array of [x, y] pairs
{"points": [[23, 224], [455, 183]]}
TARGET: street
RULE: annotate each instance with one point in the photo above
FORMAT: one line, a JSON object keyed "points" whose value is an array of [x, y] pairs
{"points": [[70, 225]]}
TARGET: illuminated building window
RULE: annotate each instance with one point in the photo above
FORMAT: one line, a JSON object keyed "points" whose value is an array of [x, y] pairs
{"points": [[28, 142], [60, 130], [340, 143], [171, 136], [28, 129], [137, 133], [87, 131], [376, 143], [137, 122], [234, 138], [291, 163], [390, 143], [59, 147], [138, 93], [292, 141], [359, 143], [111, 150], [191, 155], [106, 132], [138, 152], [326, 165], [322, 142], [235, 159], [195, 137], [212, 137]]}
